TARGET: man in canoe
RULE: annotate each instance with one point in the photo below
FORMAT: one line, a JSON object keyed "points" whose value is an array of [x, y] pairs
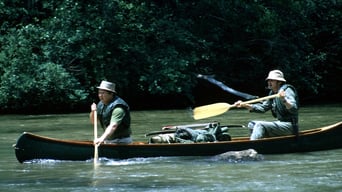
{"points": [[113, 114], [284, 108]]}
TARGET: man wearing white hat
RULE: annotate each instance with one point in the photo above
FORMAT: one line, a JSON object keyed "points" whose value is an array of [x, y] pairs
{"points": [[114, 115], [284, 108]]}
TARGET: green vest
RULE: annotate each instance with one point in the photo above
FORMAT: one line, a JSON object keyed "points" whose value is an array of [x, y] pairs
{"points": [[105, 114]]}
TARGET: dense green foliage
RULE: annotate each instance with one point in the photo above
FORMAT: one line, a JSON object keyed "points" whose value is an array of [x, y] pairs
{"points": [[53, 53]]}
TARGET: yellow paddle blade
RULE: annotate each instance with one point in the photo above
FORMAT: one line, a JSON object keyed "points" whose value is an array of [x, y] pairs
{"points": [[210, 110]]}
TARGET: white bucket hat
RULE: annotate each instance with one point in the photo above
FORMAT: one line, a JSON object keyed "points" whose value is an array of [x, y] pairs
{"points": [[108, 86], [276, 75]]}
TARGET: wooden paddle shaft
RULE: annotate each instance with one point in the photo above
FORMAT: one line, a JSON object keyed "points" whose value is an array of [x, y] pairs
{"points": [[96, 153], [95, 124], [261, 99]]}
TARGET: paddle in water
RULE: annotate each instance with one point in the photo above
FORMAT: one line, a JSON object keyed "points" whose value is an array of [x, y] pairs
{"points": [[96, 153], [215, 109]]}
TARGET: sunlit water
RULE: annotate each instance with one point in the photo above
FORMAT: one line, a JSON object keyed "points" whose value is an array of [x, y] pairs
{"points": [[314, 171]]}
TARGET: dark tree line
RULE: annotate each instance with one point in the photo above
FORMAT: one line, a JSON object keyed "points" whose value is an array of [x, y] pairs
{"points": [[54, 53]]}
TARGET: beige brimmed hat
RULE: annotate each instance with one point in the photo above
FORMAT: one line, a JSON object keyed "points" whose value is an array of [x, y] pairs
{"points": [[108, 86], [276, 75]]}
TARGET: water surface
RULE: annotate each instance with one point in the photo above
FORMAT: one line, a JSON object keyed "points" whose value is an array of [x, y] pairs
{"points": [[314, 171]]}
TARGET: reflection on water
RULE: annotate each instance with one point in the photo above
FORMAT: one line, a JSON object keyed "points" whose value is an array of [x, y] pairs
{"points": [[316, 171]]}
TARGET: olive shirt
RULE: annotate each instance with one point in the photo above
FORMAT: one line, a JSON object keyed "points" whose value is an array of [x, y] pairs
{"points": [[117, 115]]}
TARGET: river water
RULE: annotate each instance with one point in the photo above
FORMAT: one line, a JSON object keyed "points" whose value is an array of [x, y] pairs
{"points": [[314, 171]]}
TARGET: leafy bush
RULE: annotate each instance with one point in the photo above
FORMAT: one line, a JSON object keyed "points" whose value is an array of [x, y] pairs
{"points": [[29, 83]]}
